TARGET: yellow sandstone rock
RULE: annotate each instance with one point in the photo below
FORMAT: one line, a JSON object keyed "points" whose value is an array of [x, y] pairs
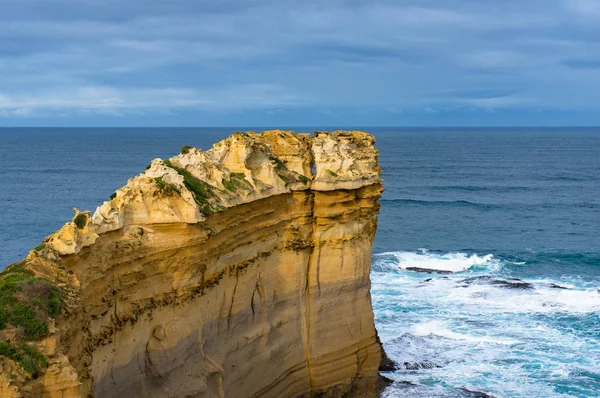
{"points": [[233, 272]]}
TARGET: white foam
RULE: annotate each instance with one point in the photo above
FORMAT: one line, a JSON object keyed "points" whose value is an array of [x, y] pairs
{"points": [[453, 262], [439, 328], [484, 335]]}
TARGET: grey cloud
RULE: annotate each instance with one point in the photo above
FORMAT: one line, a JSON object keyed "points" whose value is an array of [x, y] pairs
{"points": [[134, 55]]}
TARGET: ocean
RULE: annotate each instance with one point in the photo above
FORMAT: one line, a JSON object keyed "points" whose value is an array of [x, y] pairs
{"points": [[510, 216]]}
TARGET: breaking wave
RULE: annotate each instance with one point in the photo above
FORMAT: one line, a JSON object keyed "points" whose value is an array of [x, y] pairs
{"points": [[424, 260]]}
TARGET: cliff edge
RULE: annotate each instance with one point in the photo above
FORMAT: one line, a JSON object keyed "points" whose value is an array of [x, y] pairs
{"points": [[240, 271]]}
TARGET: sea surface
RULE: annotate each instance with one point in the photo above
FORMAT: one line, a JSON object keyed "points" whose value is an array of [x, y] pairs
{"points": [[511, 215]]}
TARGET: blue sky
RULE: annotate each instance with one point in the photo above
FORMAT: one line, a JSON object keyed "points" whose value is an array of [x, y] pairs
{"points": [[281, 62]]}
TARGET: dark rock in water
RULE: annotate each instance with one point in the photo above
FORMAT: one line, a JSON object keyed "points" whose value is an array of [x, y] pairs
{"points": [[512, 283], [476, 279], [555, 286], [420, 365], [386, 364], [474, 394], [428, 271], [430, 279], [382, 383]]}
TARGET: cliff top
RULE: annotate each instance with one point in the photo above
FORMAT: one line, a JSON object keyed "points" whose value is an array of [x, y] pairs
{"points": [[242, 168]]}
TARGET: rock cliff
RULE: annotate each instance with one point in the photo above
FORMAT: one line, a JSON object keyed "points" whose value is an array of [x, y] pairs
{"points": [[241, 271]]}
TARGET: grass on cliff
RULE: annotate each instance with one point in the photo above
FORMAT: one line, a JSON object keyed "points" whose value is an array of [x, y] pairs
{"points": [[200, 189], [26, 356], [26, 302], [165, 186], [278, 163], [237, 180]]}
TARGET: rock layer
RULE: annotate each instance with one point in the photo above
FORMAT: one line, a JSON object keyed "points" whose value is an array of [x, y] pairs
{"points": [[235, 272]]}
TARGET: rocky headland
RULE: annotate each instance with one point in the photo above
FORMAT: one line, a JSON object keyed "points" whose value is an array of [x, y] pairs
{"points": [[240, 271]]}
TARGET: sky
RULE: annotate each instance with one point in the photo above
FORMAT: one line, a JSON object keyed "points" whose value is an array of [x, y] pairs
{"points": [[286, 63]]}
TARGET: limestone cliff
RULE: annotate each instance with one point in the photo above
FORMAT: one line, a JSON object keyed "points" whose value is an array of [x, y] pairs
{"points": [[241, 271]]}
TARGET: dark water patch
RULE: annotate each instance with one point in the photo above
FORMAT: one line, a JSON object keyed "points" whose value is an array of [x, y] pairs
{"points": [[472, 188], [58, 171], [439, 203]]}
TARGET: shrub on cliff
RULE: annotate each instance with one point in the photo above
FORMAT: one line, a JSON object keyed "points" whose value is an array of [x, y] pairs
{"points": [[30, 359], [26, 302], [80, 220]]}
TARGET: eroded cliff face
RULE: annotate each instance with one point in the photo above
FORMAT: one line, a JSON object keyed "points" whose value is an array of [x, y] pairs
{"points": [[235, 272]]}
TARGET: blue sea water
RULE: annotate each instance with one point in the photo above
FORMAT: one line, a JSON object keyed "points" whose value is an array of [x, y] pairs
{"points": [[514, 214]]}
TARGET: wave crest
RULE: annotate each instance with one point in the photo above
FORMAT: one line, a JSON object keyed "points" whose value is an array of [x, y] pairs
{"points": [[423, 259]]}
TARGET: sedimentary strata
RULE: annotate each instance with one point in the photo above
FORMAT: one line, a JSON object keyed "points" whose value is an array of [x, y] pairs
{"points": [[241, 271]]}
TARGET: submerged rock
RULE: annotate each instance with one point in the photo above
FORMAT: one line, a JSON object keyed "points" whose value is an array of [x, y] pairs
{"points": [[420, 365], [555, 286], [513, 283], [474, 394], [431, 279], [428, 270]]}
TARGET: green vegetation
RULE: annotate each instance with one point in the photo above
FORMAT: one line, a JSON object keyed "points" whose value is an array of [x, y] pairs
{"points": [[237, 181], [229, 184], [161, 184], [165, 186], [26, 356], [14, 268], [333, 174], [186, 149], [201, 190], [284, 178], [39, 247], [278, 163], [113, 195], [240, 176], [147, 167], [80, 220], [26, 302], [303, 178]]}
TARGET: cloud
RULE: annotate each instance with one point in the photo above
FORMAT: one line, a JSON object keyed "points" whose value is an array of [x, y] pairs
{"points": [[589, 9], [65, 57], [120, 102]]}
